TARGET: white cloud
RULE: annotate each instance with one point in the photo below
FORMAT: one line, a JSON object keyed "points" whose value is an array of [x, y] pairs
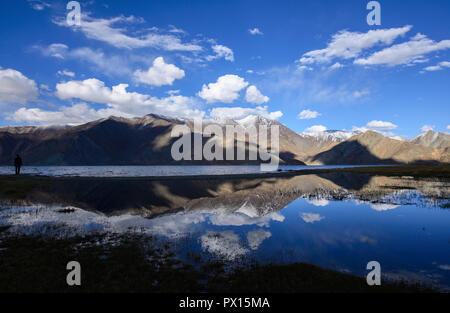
{"points": [[176, 30], [256, 237], [301, 68], [238, 113], [226, 89], [336, 66], [44, 87], [385, 132], [159, 74], [311, 217], [66, 73], [448, 127], [15, 87], [76, 114], [255, 31], [438, 67], [427, 128], [57, 50], [253, 95], [405, 53], [104, 30], [383, 206], [119, 101], [107, 64], [307, 115], [221, 52], [318, 202], [241, 218], [381, 125], [225, 244], [359, 94], [348, 45], [315, 129], [38, 5]]}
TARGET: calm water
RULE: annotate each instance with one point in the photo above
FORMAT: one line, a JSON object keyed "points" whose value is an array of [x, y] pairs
{"points": [[338, 221], [142, 171]]}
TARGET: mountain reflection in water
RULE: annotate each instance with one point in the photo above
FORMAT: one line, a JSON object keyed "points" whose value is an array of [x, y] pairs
{"points": [[336, 220]]}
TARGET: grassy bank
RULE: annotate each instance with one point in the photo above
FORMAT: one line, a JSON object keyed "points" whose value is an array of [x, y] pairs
{"points": [[137, 264]]}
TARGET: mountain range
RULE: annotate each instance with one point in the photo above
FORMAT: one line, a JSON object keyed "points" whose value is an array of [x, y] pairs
{"points": [[147, 141]]}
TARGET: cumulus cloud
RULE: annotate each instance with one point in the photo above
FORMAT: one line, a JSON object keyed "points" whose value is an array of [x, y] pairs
{"points": [[221, 52], [348, 45], [253, 95], [255, 31], [336, 66], [448, 127], [311, 217], [66, 115], [16, 88], [159, 74], [226, 89], [427, 128], [409, 52], [238, 113], [315, 129], [440, 66], [302, 68], [66, 73], [308, 115], [117, 101], [106, 30], [256, 237], [381, 125], [57, 50]]}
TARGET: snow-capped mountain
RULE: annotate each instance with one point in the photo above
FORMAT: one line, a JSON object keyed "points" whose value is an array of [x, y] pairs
{"points": [[331, 135], [433, 140]]}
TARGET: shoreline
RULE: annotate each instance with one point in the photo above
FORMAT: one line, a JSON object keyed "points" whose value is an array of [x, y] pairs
{"points": [[422, 171]]}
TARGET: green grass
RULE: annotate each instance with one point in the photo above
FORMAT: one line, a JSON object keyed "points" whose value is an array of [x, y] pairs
{"points": [[142, 264]]}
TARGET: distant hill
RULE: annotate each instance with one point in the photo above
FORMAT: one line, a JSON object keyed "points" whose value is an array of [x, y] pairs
{"points": [[373, 148], [433, 140], [147, 141]]}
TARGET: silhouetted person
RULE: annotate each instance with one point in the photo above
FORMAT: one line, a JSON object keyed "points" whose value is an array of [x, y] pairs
{"points": [[17, 164]]}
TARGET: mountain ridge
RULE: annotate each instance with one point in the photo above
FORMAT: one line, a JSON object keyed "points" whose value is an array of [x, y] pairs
{"points": [[146, 141]]}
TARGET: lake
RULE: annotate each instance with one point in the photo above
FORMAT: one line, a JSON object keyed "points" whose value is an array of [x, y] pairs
{"points": [[151, 170], [339, 221]]}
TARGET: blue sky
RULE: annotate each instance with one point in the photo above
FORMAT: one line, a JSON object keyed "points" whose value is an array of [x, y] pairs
{"points": [[306, 63]]}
